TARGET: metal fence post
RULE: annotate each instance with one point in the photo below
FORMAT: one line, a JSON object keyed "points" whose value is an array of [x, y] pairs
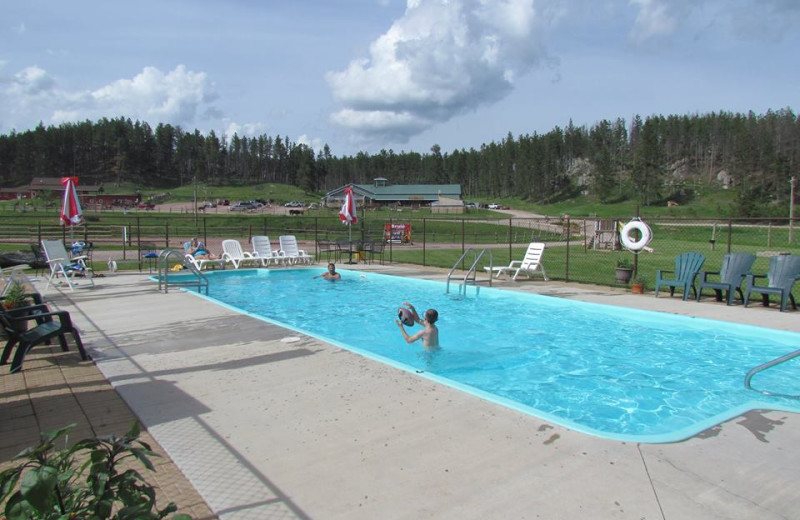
{"points": [[424, 241], [730, 233], [463, 225], [566, 266], [509, 240]]}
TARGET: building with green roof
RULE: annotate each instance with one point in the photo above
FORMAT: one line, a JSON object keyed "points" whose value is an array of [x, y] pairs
{"points": [[381, 193]]}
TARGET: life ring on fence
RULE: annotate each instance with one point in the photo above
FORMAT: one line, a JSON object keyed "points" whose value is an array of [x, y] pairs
{"points": [[627, 239]]}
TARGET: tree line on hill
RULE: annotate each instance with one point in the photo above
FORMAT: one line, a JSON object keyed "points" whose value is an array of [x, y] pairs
{"points": [[652, 159]]}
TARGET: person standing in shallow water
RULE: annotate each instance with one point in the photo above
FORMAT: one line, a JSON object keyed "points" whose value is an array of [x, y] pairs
{"points": [[429, 334], [331, 274]]}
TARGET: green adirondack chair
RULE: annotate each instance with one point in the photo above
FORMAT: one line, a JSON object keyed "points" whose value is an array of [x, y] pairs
{"points": [[784, 270], [687, 265], [40, 327], [735, 266]]}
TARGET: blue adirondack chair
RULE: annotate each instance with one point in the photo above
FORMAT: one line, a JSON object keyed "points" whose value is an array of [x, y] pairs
{"points": [[735, 266], [784, 270], [687, 266]]}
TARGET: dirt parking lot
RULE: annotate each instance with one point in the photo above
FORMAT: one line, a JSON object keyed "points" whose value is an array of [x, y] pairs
{"points": [[188, 208]]}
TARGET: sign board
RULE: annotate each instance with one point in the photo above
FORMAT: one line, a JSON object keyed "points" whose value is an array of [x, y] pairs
{"points": [[397, 233]]}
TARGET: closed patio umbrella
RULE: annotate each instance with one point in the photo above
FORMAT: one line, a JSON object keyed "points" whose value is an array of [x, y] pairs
{"points": [[71, 212], [348, 216]]}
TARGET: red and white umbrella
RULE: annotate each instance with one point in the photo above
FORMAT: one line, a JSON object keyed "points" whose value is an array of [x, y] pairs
{"points": [[71, 212], [348, 212]]}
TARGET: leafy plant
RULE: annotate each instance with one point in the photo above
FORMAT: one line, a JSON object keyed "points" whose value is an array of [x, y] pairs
{"points": [[15, 296], [82, 482], [624, 263]]}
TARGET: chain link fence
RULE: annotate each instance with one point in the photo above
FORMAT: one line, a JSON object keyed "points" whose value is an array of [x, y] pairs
{"points": [[577, 249]]}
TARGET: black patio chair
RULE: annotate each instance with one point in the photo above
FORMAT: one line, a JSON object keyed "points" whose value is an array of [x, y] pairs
{"points": [[327, 248], [39, 259], [17, 325], [376, 249]]}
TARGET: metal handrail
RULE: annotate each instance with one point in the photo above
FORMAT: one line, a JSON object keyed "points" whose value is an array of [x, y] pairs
{"points": [[162, 265], [473, 267], [764, 366]]}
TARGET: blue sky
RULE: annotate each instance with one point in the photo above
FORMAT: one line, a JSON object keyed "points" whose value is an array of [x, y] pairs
{"points": [[385, 74]]}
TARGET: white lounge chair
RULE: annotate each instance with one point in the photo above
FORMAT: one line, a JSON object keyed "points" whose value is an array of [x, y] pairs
{"points": [[262, 249], [204, 263], [9, 275], [530, 264], [292, 252], [61, 264], [233, 253]]}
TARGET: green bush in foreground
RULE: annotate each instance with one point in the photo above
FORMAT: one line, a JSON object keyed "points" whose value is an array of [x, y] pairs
{"points": [[82, 482]]}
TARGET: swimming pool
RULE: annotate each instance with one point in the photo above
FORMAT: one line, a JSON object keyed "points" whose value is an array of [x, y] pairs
{"points": [[608, 371]]}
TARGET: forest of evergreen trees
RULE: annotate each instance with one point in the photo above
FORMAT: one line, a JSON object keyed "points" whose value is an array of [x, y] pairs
{"points": [[652, 159]]}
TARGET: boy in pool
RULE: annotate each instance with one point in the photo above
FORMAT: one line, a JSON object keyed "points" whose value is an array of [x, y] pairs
{"points": [[429, 335], [331, 274]]}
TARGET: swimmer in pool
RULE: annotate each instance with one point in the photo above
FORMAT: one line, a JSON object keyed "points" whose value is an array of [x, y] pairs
{"points": [[331, 274], [429, 334]]}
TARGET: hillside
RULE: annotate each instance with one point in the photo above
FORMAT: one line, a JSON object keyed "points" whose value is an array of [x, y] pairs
{"points": [[647, 161]]}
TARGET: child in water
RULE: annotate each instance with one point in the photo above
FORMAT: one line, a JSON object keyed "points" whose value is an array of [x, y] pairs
{"points": [[430, 332]]}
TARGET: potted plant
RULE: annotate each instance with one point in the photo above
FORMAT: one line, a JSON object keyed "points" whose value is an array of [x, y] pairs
{"points": [[637, 287], [15, 296], [624, 270]]}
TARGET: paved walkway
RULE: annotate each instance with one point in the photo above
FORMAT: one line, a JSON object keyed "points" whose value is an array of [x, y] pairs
{"points": [[267, 423]]}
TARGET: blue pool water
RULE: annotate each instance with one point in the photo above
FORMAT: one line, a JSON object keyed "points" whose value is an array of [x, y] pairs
{"points": [[609, 371]]}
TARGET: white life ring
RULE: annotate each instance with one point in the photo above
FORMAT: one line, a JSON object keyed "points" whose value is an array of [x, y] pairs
{"points": [[627, 239]]}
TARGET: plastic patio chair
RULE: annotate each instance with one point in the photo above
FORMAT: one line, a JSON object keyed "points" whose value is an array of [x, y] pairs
{"points": [[735, 266], [530, 264], [784, 270], [61, 264], [262, 250], [15, 323], [687, 265], [233, 253]]}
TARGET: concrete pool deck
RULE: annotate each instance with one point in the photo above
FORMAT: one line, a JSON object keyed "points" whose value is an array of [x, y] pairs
{"points": [[268, 423]]}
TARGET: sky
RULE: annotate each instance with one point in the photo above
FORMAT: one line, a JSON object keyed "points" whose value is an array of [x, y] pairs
{"points": [[372, 75]]}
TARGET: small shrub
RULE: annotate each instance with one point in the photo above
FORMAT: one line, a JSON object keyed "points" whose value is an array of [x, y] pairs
{"points": [[624, 263], [82, 482]]}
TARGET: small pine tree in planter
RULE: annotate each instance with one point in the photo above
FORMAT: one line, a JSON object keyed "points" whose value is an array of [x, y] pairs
{"points": [[84, 481], [638, 285], [15, 296]]}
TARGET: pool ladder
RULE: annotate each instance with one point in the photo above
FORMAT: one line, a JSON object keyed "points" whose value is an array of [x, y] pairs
{"points": [[768, 364], [198, 279], [472, 271]]}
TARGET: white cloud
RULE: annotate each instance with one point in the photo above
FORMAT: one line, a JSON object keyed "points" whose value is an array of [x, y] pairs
{"points": [[654, 19], [179, 97], [245, 129], [31, 81], [440, 59], [152, 95], [314, 143]]}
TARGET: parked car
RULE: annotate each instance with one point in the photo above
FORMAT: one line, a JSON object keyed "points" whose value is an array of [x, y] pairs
{"points": [[473, 205], [493, 205], [242, 206]]}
